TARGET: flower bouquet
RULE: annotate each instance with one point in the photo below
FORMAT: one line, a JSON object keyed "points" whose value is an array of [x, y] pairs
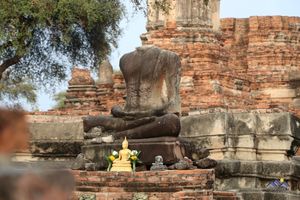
{"points": [[110, 159], [134, 158]]}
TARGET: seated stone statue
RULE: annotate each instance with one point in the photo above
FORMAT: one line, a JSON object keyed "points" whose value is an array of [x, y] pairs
{"points": [[123, 163], [159, 164], [152, 108]]}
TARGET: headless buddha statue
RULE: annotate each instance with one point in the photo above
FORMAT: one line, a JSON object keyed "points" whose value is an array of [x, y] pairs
{"points": [[152, 107], [123, 164]]}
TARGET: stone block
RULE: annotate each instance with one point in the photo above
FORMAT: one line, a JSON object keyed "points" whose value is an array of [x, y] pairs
{"points": [[245, 136], [56, 130], [241, 175], [242, 123], [55, 148], [272, 155], [240, 154], [236, 182], [241, 141], [279, 142], [171, 149], [266, 195], [212, 142], [204, 125], [218, 154], [53, 138], [280, 92], [274, 124]]}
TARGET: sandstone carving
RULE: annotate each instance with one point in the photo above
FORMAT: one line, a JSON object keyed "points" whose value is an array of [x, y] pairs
{"points": [[152, 105]]}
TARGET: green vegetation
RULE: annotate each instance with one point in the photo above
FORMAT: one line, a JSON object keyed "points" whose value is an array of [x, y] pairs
{"points": [[38, 38], [163, 5], [59, 98], [15, 92], [36, 34]]}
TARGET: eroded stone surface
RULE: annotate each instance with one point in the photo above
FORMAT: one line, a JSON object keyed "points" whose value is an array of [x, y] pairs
{"points": [[244, 176], [245, 136], [152, 77], [105, 73]]}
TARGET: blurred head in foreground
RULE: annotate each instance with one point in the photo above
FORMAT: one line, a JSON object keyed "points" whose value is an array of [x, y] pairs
{"points": [[14, 134], [22, 183], [36, 185]]}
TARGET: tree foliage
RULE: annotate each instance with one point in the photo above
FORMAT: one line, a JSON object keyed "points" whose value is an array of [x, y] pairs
{"points": [[38, 37], [59, 98], [13, 93], [163, 5]]}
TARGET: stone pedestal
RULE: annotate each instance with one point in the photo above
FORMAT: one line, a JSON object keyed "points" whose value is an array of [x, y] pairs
{"points": [[244, 136], [249, 178], [170, 148]]}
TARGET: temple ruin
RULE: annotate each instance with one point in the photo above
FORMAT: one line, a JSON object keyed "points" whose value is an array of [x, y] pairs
{"points": [[239, 98]]}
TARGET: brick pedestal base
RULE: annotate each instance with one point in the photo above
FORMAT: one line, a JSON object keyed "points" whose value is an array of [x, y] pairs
{"points": [[164, 185]]}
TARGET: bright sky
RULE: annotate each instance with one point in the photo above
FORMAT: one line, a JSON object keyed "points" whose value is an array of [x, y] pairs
{"points": [[134, 26]]}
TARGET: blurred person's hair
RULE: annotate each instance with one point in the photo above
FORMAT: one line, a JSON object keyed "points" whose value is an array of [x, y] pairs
{"points": [[8, 117]]}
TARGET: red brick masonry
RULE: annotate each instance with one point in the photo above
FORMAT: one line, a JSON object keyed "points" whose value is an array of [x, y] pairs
{"points": [[250, 64], [163, 185]]}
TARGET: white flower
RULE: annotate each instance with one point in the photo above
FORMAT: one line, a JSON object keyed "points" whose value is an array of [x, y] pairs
{"points": [[115, 153], [134, 152]]}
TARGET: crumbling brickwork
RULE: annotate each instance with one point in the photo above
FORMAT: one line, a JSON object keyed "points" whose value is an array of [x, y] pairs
{"points": [[87, 97], [189, 184], [251, 64], [265, 54], [229, 64]]}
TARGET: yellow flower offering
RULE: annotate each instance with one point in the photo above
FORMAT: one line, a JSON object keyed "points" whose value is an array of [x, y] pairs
{"points": [[112, 158], [281, 180], [134, 158]]}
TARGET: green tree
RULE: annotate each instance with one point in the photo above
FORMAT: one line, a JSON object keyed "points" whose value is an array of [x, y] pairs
{"points": [[37, 37], [13, 93], [60, 98], [163, 5]]}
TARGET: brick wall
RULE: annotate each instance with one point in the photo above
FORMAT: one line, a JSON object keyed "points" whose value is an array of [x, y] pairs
{"points": [[265, 51], [251, 64], [163, 185]]}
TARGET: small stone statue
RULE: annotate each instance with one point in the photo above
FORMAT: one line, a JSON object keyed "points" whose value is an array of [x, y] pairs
{"points": [[123, 164], [159, 164]]}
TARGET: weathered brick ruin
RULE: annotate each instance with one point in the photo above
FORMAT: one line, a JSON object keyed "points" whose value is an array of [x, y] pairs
{"points": [[240, 95], [85, 96], [159, 185], [241, 65]]}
